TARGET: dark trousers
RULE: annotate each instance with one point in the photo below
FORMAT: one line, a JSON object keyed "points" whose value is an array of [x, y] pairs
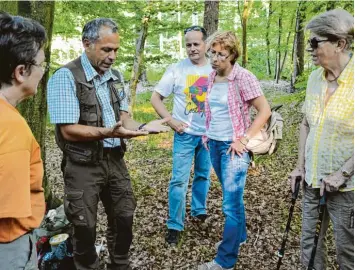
{"points": [[85, 185]]}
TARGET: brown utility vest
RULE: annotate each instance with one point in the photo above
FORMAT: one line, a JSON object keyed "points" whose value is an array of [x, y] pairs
{"points": [[89, 152]]}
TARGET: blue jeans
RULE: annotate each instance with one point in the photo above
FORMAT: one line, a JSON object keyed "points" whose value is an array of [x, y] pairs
{"points": [[21, 253], [232, 175], [186, 147]]}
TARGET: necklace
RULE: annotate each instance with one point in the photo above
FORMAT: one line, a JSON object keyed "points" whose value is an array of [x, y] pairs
{"points": [[333, 79], [340, 72]]}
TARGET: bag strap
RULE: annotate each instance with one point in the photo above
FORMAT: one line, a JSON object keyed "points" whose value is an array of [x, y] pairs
{"points": [[241, 106]]}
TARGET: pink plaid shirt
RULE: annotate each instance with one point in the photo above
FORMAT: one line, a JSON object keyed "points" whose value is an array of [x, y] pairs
{"points": [[249, 88]]}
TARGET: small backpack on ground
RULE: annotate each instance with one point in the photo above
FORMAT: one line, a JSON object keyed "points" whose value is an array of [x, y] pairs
{"points": [[60, 258], [265, 141]]}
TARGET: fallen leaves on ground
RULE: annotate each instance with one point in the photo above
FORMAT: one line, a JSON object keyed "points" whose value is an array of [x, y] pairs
{"points": [[267, 199]]}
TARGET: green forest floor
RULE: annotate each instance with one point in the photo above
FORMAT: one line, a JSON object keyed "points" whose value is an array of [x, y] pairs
{"points": [[267, 197]]}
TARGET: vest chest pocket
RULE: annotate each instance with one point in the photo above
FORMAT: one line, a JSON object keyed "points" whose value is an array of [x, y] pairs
{"points": [[88, 104], [88, 113]]}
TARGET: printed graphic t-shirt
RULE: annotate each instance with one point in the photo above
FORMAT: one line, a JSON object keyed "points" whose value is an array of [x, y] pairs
{"points": [[188, 83]]}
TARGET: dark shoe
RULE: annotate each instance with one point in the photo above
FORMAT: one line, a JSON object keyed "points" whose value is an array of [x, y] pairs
{"points": [[172, 237], [201, 217]]}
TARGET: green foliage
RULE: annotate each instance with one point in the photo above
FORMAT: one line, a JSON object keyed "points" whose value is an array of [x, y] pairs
{"points": [[295, 98], [144, 112], [70, 17], [302, 80], [163, 19], [155, 75]]}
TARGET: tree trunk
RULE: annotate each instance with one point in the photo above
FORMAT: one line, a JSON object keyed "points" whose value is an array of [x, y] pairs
{"points": [[180, 34], [275, 67], [299, 47], [240, 13], [34, 110], [143, 78], [210, 21], [278, 52], [287, 41], [246, 12], [268, 65], [138, 60]]}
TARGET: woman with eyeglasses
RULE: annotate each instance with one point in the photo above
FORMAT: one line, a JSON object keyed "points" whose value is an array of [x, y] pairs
{"points": [[227, 137], [22, 203], [326, 155]]}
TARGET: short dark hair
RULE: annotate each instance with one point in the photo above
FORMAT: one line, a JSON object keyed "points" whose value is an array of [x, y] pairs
{"points": [[198, 29], [20, 41]]}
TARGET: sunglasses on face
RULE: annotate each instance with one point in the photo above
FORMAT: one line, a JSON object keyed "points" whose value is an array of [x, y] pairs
{"points": [[313, 42], [195, 28]]}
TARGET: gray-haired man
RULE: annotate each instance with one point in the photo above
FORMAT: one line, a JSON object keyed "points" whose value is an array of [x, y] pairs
{"points": [[89, 108]]}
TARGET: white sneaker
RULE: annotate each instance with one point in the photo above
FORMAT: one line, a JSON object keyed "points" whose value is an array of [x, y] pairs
{"points": [[216, 246], [212, 266]]}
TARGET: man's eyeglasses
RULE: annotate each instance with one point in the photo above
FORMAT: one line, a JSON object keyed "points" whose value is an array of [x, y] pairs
{"points": [[220, 56], [44, 65], [195, 28], [313, 42]]}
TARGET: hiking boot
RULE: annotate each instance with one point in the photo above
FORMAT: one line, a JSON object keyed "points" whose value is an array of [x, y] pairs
{"points": [[202, 217], [216, 246], [172, 237], [212, 266]]}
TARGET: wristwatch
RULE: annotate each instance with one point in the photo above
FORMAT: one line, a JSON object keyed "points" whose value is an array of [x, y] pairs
{"points": [[346, 174], [141, 126]]}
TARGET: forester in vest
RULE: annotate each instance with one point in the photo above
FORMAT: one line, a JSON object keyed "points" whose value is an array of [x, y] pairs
{"points": [[87, 102]]}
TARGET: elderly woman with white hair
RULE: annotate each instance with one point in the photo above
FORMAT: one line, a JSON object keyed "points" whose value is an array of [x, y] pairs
{"points": [[326, 145]]}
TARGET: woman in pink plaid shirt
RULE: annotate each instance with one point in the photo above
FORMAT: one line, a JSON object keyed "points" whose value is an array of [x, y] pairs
{"points": [[227, 137]]}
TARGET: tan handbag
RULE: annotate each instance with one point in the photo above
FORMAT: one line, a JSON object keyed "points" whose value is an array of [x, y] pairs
{"points": [[266, 140]]}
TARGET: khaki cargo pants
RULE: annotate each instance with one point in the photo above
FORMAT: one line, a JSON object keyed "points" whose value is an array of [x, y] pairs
{"points": [[85, 185], [340, 210]]}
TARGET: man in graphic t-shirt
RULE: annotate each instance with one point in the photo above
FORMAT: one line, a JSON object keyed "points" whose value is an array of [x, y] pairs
{"points": [[187, 80]]}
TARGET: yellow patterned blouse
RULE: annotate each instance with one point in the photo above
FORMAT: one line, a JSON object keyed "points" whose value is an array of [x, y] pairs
{"points": [[330, 142]]}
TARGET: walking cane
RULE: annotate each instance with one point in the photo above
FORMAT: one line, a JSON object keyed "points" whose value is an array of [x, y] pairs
{"points": [[322, 205], [281, 251]]}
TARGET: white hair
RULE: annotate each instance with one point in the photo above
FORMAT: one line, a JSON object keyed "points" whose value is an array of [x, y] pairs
{"points": [[334, 24]]}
